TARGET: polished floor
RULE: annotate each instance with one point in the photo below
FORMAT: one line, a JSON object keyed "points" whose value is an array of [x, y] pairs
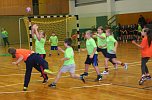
{"points": [[120, 84]]}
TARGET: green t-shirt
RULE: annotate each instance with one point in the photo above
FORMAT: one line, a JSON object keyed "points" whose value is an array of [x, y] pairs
{"points": [[101, 42], [90, 45], [139, 28], [39, 45], [54, 40], [110, 44], [69, 53], [4, 34]]}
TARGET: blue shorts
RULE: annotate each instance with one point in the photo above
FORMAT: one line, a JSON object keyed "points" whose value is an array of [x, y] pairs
{"points": [[54, 47], [108, 55], [93, 61]]}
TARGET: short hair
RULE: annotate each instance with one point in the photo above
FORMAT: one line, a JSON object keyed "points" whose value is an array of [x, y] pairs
{"points": [[68, 41], [89, 32], [100, 27], [12, 51], [41, 31]]}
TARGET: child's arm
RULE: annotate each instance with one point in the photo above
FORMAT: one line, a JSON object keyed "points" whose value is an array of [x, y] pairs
{"points": [[18, 60], [137, 44], [95, 49], [59, 48], [116, 45], [99, 36], [63, 59], [37, 33]]}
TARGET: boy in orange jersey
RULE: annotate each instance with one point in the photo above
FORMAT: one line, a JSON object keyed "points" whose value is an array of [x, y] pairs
{"points": [[31, 60]]}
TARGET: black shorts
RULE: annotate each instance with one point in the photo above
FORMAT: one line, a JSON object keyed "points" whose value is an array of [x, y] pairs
{"points": [[108, 55], [54, 48], [93, 61], [104, 51]]}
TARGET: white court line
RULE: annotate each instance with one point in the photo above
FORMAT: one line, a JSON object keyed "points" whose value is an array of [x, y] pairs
{"points": [[56, 72], [53, 78], [90, 86], [17, 92]]}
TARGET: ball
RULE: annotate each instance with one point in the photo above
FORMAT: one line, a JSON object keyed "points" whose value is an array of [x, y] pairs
{"points": [[28, 9]]}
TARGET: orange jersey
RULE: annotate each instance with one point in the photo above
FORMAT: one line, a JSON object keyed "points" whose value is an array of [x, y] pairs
{"points": [[23, 52], [146, 51]]}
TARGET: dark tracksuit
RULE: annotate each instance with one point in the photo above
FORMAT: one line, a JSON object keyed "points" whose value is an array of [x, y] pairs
{"points": [[34, 60]]}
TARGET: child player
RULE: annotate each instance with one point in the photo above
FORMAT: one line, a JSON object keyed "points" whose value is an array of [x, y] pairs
{"points": [[31, 60], [92, 56], [69, 63]]}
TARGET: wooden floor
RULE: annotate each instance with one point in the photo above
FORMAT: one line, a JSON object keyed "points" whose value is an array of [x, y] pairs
{"points": [[118, 85]]}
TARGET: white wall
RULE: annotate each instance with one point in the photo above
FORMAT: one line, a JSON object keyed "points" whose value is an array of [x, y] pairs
{"points": [[133, 6], [121, 7], [92, 10]]}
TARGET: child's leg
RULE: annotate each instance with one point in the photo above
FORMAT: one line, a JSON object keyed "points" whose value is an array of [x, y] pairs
{"points": [[144, 68], [106, 64], [76, 76], [27, 74], [120, 63], [58, 77], [57, 50]]}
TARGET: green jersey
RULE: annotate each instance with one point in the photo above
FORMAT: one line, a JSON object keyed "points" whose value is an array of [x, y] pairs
{"points": [[69, 53], [54, 40], [139, 28], [4, 34], [110, 44], [102, 42], [39, 45], [90, 45]]}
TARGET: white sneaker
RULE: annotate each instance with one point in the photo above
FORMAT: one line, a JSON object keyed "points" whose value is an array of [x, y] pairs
{"points": [[105, 72], [125, 66]]}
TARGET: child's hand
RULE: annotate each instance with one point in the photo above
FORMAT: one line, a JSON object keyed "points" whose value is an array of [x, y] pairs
{"points": [[115, 50], [83, 49], [133, 41], [59, 48], [62, 59], [14, 63], [91, 56]]}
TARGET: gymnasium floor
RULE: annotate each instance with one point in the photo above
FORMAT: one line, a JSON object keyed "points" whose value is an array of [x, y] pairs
{"points": [[119, 84]]}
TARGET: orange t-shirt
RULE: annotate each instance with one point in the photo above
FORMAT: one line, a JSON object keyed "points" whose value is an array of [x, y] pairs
{"points": [[23, 52], [146, 51]]}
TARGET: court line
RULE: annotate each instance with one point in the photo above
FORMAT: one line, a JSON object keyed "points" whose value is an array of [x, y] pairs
{"points": [[17, 92], [53, 78], [57, 71], [90, 86]]}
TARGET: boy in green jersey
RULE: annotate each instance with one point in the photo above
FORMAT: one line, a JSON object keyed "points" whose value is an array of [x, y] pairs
{"points": [[54, 43], [4, 35], [92, 56], [69, 63]]}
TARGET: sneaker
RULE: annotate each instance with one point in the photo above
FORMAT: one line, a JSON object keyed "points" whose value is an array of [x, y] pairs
{"points": [[148, 77], [82, 78], [99, 78], [125, 66], [105, 72], [45, 81], [52, 85], [142, 80], [84, 74], [48, 71], [25, 89]]}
